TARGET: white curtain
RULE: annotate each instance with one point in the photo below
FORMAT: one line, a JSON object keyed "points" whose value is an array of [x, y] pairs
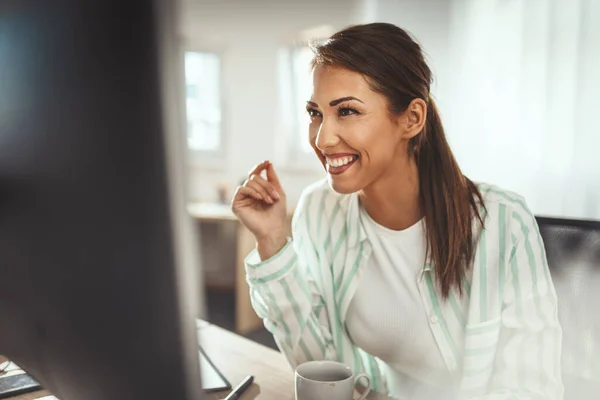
{"points": [[521, 99]]}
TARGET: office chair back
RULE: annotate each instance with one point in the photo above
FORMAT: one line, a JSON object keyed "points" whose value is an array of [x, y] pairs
{"points": [[573, 252]]}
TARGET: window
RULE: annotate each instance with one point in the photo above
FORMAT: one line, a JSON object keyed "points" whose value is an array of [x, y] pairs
{"points": [[301, 89], [295, 87], [203, 101]]}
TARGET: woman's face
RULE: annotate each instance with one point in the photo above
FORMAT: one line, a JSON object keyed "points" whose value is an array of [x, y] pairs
{"points": [[351, 130]]}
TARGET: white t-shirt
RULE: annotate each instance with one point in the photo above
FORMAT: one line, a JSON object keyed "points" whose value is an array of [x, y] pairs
{"points": [[386, 317]]}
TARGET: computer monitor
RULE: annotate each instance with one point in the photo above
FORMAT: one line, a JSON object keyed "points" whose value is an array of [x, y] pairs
{"points": [[98, 283]]}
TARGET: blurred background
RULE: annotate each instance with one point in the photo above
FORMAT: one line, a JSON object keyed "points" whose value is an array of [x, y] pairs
{"points": [[517, 84]]}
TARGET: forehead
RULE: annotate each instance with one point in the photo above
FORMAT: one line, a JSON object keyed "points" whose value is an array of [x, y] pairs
{"points": [[332, 82]]}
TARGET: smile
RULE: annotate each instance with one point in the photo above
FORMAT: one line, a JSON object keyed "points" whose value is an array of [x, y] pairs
{"points": [[338, 165]]}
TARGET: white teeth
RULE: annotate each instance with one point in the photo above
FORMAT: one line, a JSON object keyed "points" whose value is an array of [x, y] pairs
{"points": [[340, 161]]}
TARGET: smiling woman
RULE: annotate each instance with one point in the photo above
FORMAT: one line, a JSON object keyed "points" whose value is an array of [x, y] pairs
{"points": [[400, 266]]}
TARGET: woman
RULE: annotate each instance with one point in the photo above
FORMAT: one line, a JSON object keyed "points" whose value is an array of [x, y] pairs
{"points": [[400, 266]]}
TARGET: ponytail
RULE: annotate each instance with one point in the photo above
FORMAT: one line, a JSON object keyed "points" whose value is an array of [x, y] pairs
{"points": [[449, 203]]}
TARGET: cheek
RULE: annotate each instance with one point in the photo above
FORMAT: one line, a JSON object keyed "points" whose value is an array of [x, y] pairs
{"points": [[376, 148]]}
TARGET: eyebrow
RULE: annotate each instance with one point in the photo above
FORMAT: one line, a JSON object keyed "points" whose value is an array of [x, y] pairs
{"points": [[335, 102]]}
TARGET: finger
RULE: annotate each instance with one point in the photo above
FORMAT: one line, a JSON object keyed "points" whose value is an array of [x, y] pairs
{"points": [[258, 168], [261, 190], [272, 176], [244, 192], [271, 190], [243, 199]]}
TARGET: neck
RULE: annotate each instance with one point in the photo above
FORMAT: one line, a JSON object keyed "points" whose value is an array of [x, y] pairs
{"points": [[393, 199]]}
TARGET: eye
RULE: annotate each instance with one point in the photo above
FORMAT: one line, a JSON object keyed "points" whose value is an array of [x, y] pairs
{"points": [[313, 113], [347, 111]]}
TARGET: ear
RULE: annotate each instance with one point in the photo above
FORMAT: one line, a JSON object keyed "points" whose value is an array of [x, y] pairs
{"points": [[414, 117]]}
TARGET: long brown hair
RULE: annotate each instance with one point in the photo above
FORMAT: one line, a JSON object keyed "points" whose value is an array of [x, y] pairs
{"points": [[394, 65]]}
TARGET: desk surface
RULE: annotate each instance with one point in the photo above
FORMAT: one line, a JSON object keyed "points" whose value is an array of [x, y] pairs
{"points": [[273, 377], [211, 211]]}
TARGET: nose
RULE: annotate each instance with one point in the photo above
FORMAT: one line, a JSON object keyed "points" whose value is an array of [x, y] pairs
{"points": [[327, 136]]}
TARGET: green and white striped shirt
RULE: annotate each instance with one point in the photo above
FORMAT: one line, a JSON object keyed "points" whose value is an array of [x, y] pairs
{"points": [[500, 340]]}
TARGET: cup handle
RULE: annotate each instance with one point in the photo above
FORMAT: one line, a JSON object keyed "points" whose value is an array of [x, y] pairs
{"points": [[368, 387]]}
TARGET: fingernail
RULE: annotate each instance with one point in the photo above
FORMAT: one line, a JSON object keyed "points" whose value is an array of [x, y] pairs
{"points": [[276, 195], [270, 200]]}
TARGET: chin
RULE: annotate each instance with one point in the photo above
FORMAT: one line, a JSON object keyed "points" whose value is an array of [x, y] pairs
{"points": [[341, 186]]}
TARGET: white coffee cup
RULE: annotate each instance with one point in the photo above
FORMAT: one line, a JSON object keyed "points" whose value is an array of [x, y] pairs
{"points": [[327, 380]]}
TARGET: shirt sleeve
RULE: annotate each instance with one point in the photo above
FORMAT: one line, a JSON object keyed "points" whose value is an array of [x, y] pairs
{"points": [[284, 294]]}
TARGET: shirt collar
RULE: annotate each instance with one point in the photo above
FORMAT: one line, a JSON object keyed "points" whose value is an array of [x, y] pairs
{"points": [[356, 232]]}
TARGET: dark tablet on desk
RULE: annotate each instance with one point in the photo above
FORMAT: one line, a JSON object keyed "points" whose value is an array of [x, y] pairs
{"points": [[212, 379], [13, 384]]}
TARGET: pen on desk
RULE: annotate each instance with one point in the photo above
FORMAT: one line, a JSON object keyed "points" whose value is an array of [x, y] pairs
{"points": [[241, 388]]}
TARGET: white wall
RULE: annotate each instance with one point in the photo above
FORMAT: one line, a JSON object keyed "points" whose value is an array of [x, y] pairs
{"points": [[429, 23], [248, 34]]}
